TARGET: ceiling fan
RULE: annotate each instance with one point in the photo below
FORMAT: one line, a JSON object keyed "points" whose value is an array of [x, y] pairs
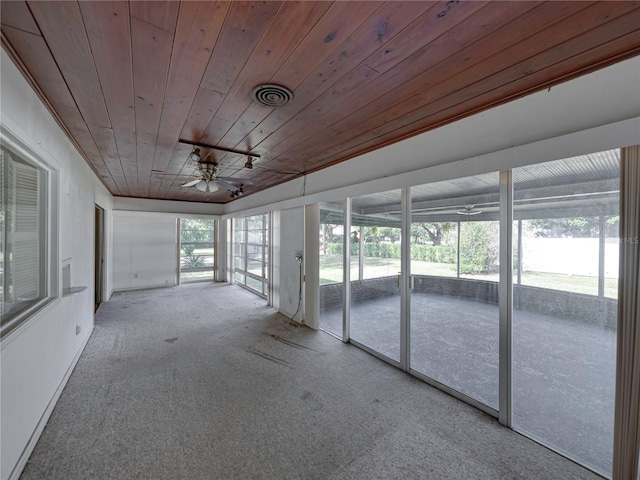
{"points": [[469, 210], [209, 180]]}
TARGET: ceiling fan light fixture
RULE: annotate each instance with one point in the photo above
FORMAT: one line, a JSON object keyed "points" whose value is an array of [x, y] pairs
{"points": [[205, 186], [194, 156], [249, 163]]}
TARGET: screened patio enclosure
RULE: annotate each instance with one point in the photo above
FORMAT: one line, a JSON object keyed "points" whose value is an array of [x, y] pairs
{"points": [[437, 270]]}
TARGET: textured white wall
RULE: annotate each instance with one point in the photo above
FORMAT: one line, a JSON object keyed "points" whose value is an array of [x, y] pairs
{"points": [[291, 240], [37, 358], [145, 250]]}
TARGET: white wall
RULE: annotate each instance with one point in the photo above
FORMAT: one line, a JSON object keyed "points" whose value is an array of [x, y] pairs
{"points": [[145, 250], [38, 356], [289, 241], [181, 209]]}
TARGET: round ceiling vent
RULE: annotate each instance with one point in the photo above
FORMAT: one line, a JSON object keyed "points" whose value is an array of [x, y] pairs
{"points": [[272, 95]]}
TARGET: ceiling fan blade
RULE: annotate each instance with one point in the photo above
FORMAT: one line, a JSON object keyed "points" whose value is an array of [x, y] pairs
{"points": [[191, 183], [228, 186], [244, 181]]}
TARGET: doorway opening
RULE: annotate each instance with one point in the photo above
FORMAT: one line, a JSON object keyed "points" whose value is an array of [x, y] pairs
{"points": [[98, 256]]}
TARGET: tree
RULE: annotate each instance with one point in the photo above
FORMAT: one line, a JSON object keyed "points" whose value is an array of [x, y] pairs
{"points": [[478, 247], [196, 230], [435, 232], [371, 234], [391, 234]]}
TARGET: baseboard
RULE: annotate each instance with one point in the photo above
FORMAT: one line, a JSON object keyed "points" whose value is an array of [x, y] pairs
{"points": [[147, 287], [35, 436]]}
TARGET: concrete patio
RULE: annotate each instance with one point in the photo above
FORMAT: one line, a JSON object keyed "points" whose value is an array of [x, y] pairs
{"points": [[563, 370]]}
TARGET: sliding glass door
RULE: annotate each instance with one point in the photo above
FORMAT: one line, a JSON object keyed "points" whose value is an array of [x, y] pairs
{"points": [[454, 285], [565, 306], [331, 267], [375, 247], [511, 299]]}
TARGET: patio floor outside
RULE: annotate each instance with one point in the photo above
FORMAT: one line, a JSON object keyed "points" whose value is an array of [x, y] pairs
{"points": [[563, 370]]}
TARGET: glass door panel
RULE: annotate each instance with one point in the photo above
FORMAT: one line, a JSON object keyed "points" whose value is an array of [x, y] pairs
{"points": [[454, 297], [250, 252], [196, 250], [565, 307], [375, 291], [331, 267]]}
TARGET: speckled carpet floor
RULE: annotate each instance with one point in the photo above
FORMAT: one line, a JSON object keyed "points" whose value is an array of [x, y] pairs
{"points": [[204, 381]]}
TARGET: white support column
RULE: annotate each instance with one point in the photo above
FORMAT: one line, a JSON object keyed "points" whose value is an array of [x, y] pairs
{"points": [[602, 225], [405, 280], [346, 272], [229, 252], [311, 264], [274, 259], [626, 443], [505, 297], [361, 253], [178, 250], [220, 250]]}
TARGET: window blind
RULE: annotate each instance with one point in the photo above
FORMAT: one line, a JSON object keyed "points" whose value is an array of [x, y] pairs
{"points": [[25, 237]]}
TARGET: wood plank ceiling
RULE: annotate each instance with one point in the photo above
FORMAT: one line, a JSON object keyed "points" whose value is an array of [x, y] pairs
{"points": [[127, 80]]}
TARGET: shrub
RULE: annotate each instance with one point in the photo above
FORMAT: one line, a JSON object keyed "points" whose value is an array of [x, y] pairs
{"points": [[477, 248], [192, 261]]}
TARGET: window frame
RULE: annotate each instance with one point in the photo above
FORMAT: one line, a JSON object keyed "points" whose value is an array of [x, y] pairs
{"points": [[48, 218], [240, 251]]}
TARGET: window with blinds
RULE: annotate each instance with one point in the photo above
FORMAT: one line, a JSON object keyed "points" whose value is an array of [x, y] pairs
{"points": [[22, 238]]}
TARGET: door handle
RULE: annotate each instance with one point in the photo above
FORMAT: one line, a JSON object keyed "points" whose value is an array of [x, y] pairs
{"points": [[412, 282]]}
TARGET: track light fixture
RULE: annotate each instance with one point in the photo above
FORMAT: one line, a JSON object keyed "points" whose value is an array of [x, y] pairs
{"points": [[237, 193], [214, 147]]}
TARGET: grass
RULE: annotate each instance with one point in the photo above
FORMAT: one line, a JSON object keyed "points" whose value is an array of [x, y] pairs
{"points": [[331, 272], [186, 277], [199, 276]]}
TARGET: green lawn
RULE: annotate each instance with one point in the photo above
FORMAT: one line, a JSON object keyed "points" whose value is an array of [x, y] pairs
{"points": [[331, 272], [206, 258], [186, 277]]}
